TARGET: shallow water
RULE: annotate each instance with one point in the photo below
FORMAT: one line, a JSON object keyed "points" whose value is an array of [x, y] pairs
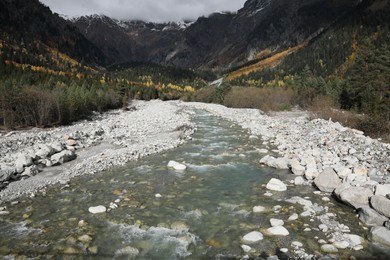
{"points": [[202, 212]]}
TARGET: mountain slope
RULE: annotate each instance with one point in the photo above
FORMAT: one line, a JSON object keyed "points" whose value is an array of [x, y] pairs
{"points": [[222, 39], [31, 23]]}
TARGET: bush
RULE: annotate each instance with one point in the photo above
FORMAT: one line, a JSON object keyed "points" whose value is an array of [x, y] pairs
{"points": [[266, 99]]}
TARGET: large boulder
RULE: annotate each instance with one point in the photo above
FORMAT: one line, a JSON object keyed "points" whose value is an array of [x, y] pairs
{"points": [[381, 235], [370, 217], [23, 160], [381, 204], [281, 163], [328, 180], [382, 190], [6, 172], [357, 197], [276, 185], [44, 151], [63, 157]]}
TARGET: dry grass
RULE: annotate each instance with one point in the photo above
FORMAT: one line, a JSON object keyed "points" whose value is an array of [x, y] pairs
{"points": [[266, 99]]}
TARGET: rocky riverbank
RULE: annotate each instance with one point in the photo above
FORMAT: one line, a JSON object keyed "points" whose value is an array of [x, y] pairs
{"points": [[31, 160], [339, 161]]}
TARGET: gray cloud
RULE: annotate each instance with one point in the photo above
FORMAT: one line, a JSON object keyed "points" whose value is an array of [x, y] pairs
{"points": [[148, 10]]}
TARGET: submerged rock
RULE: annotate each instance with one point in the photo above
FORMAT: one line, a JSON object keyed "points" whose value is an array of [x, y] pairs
{"points": [[97, 209], [252, 237], [177, 166], [278, 231]]}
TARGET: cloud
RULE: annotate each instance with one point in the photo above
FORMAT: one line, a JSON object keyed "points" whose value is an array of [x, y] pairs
{"points": [[148, 10]]}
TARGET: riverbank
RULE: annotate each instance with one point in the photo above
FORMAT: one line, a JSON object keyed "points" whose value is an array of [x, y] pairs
{"points": [[341, 162], [33, 159]]}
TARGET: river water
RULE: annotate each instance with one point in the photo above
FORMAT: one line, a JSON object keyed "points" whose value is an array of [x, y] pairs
{"points": [[160, 213]]}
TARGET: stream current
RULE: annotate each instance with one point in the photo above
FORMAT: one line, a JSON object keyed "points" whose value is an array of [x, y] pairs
{"points": [[159, 213]]}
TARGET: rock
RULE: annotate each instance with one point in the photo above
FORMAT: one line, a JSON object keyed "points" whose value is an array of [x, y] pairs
{"points": [[84, 238], [44, 151], [63, 157], [329, 248], [297, 168], [370, 217], [381, 204], [356, 197], [382, 189], [177, 166], [71, 142], [299, 180], [57, 147], [6, 172], [276, 222], [343, 172], [341, 244], [97, 209], [328, 180], [158, 195], [381, 235], [293, 217], [23, 160], [252, 237], [258, 209], [360, 170], [311, 168], [31, 171], [276, 185], [278, 163], [4, 212], [277, 231], [127, 251], [354, 239], [246, 248]]}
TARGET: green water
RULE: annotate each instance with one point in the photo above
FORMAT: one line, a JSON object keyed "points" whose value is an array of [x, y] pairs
{"points": [[202, 213]]}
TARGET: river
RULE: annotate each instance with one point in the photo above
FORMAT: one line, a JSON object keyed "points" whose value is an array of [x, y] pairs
{"points": [[159, 213]]}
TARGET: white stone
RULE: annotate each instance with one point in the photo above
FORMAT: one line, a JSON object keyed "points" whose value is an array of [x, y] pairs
{"points": [[177, 166], [299, 180], [297, 168], [258, 209], [252, 237], [158, 195], [284, 250], [246, 248], [276, 185], [276, 222], [296, 244], [97, 209], [293, 217], [278, 231], [355, 239], [382, 189], [341, 244]]}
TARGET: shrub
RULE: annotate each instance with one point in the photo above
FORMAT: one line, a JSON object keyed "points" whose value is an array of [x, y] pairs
{"points": [[266, 99]]}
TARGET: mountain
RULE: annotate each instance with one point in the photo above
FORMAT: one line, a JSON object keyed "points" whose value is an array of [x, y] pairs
{"points": [[220, 40], [128, 41], [31, 24]]}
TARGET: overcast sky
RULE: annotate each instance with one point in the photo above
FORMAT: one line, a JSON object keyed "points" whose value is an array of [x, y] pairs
{"points": [[148, 10]]}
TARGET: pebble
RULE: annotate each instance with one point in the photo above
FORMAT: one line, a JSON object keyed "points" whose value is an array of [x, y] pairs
{"points": [[252, 237], [294, 216], [258, 209], [97, 209], [327, 248]]}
